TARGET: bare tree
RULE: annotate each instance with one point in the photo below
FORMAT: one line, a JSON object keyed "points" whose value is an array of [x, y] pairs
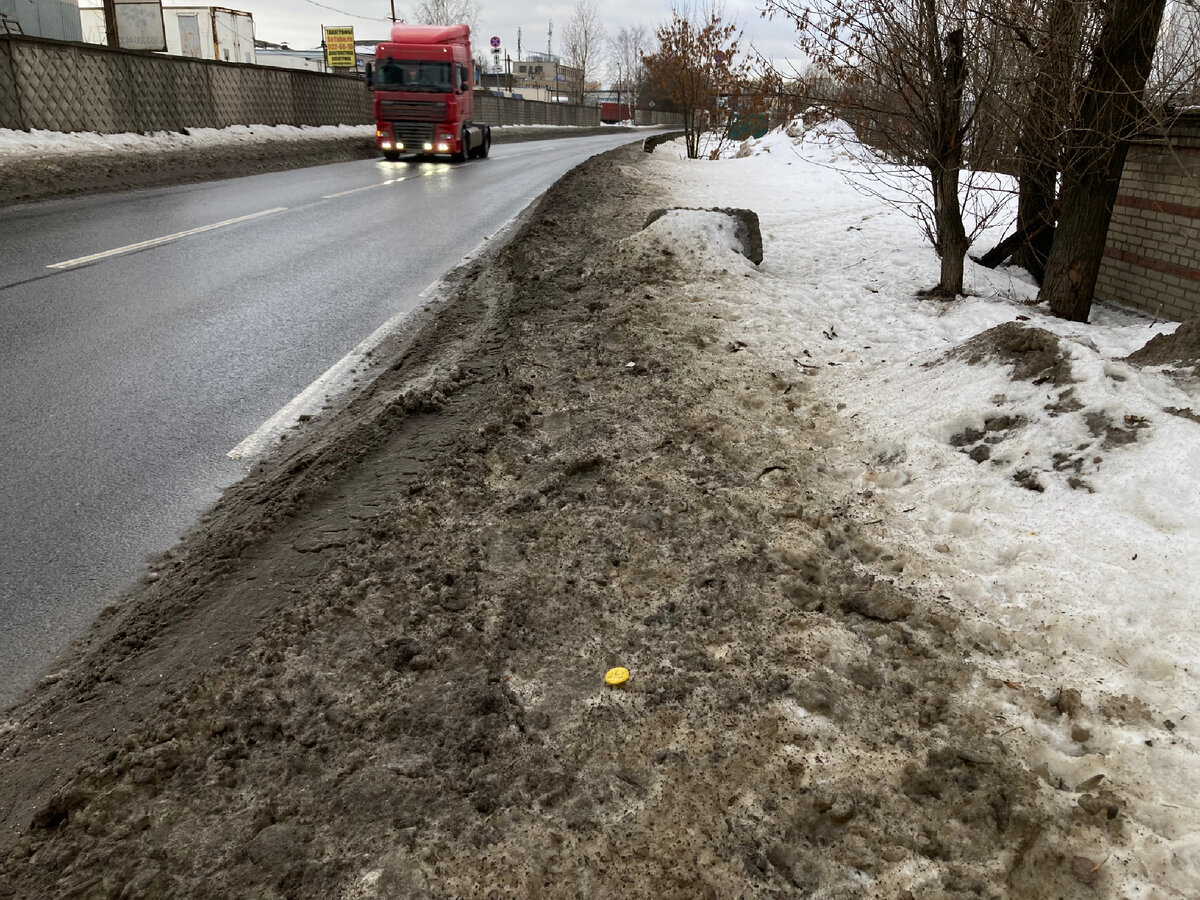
{"points": [[1175, 76], [697, 71], [1090, 88], [447, 12], [914, 74], [628, 47], [583, 46], [1110, 113]]}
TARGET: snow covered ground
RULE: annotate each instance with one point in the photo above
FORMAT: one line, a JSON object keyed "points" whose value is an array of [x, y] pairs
{"points": [[14, 144], [1057, 520]]}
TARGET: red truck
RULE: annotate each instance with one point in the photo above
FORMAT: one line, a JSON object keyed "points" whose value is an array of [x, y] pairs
{"points": [[422, 99], [612, 113]]}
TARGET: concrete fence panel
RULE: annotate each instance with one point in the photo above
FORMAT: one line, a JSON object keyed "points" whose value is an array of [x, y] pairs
{"points": [[66, 86], [500, 111], [10, 99], [70, 86]]}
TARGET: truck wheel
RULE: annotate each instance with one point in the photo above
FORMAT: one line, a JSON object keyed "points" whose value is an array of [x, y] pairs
{"points": [[391, 155], [464, 143], [482, 152]]}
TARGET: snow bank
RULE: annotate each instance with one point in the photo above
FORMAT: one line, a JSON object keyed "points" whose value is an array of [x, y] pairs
{"points": [[15, 144], [1056, 519]]}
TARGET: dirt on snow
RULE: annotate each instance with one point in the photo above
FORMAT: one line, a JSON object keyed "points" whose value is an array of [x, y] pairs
{"points": [[376, 669]]}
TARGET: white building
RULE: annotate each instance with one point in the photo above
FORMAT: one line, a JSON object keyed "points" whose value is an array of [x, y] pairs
{"points": [[202, 32], [312, 60]]}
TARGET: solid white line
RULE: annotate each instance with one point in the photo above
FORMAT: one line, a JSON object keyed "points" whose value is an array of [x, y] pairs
{"points": [[154, 242], [335, 380], [339, 377]]}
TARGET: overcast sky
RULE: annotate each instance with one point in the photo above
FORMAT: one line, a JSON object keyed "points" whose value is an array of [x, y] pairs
{"points": [[298, 22]]}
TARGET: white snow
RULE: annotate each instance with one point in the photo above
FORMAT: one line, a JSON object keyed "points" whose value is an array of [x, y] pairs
{"points": [[1095, 590], [14, 144]]}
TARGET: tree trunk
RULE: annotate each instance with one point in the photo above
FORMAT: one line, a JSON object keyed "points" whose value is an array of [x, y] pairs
{"points": [[1040, 141], [947, 162], [1015, 241], [1079, 240], [1035, 200], [1108, 117]]}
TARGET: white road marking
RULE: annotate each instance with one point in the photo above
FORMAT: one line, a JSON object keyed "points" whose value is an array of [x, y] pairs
{"points": [[309, 402], [339, 377], [364, 188], [154, 242]]}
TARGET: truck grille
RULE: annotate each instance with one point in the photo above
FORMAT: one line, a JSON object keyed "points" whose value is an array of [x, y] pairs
{"points": [[411, 111], [412, 134]]}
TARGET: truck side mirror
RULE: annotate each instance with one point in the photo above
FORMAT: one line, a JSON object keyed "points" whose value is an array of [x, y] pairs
{"points": [[369, 71]]}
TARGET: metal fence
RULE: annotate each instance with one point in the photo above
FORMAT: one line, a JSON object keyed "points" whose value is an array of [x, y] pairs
{"points": [[57, 19]]}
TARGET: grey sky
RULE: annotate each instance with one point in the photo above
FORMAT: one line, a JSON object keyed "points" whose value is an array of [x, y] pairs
{"points": [[298, 22]]}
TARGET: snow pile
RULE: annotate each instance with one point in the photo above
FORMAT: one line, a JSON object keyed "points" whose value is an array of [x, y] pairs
{"points": [[1041, 489], [704, 240], [15, 144]]}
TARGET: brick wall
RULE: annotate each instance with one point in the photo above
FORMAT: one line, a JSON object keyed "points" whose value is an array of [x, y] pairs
{"points": [[1152, 260]]}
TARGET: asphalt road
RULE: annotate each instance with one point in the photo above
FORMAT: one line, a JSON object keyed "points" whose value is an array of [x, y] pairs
{"points": [[129, 377]]}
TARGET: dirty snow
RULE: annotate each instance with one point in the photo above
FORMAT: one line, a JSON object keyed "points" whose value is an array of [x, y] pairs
{"points": [[14, 144], [1088, 584]]}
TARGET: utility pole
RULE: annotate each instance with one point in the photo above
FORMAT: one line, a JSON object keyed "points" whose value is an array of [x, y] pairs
{"points": [[518, 44], [393, 12], [110, 23], [549, 37]]}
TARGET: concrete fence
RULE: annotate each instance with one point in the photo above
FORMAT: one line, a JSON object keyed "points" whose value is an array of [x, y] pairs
{"points": [[506, 111], [1152, 258], [67, 86]]}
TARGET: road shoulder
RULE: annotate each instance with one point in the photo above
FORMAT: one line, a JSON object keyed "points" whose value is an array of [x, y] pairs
{"points": [[378, 668]]}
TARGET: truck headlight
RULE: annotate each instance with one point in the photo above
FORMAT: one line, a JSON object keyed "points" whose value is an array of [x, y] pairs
{"points": [[443, 148], [429, 146], [386, 145]]}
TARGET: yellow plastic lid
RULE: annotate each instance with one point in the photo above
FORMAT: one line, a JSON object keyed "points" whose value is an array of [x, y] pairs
{"points": [[616, 676]]}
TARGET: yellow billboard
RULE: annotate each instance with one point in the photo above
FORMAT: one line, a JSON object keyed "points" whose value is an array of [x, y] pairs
{"points": [[339, 48]]}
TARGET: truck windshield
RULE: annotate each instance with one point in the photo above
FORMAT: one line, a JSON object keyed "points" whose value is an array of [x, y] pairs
{"points": [[414, 75]]}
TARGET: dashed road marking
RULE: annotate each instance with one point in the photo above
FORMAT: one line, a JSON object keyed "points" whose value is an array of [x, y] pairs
{"points": [[367, 187], [154, 242]]}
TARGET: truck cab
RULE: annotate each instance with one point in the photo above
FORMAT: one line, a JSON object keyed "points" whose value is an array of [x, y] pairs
{"points": [[423, 102]]}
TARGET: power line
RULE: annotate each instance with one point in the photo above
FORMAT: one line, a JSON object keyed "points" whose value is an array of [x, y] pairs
{"points": [[342, 12]]}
